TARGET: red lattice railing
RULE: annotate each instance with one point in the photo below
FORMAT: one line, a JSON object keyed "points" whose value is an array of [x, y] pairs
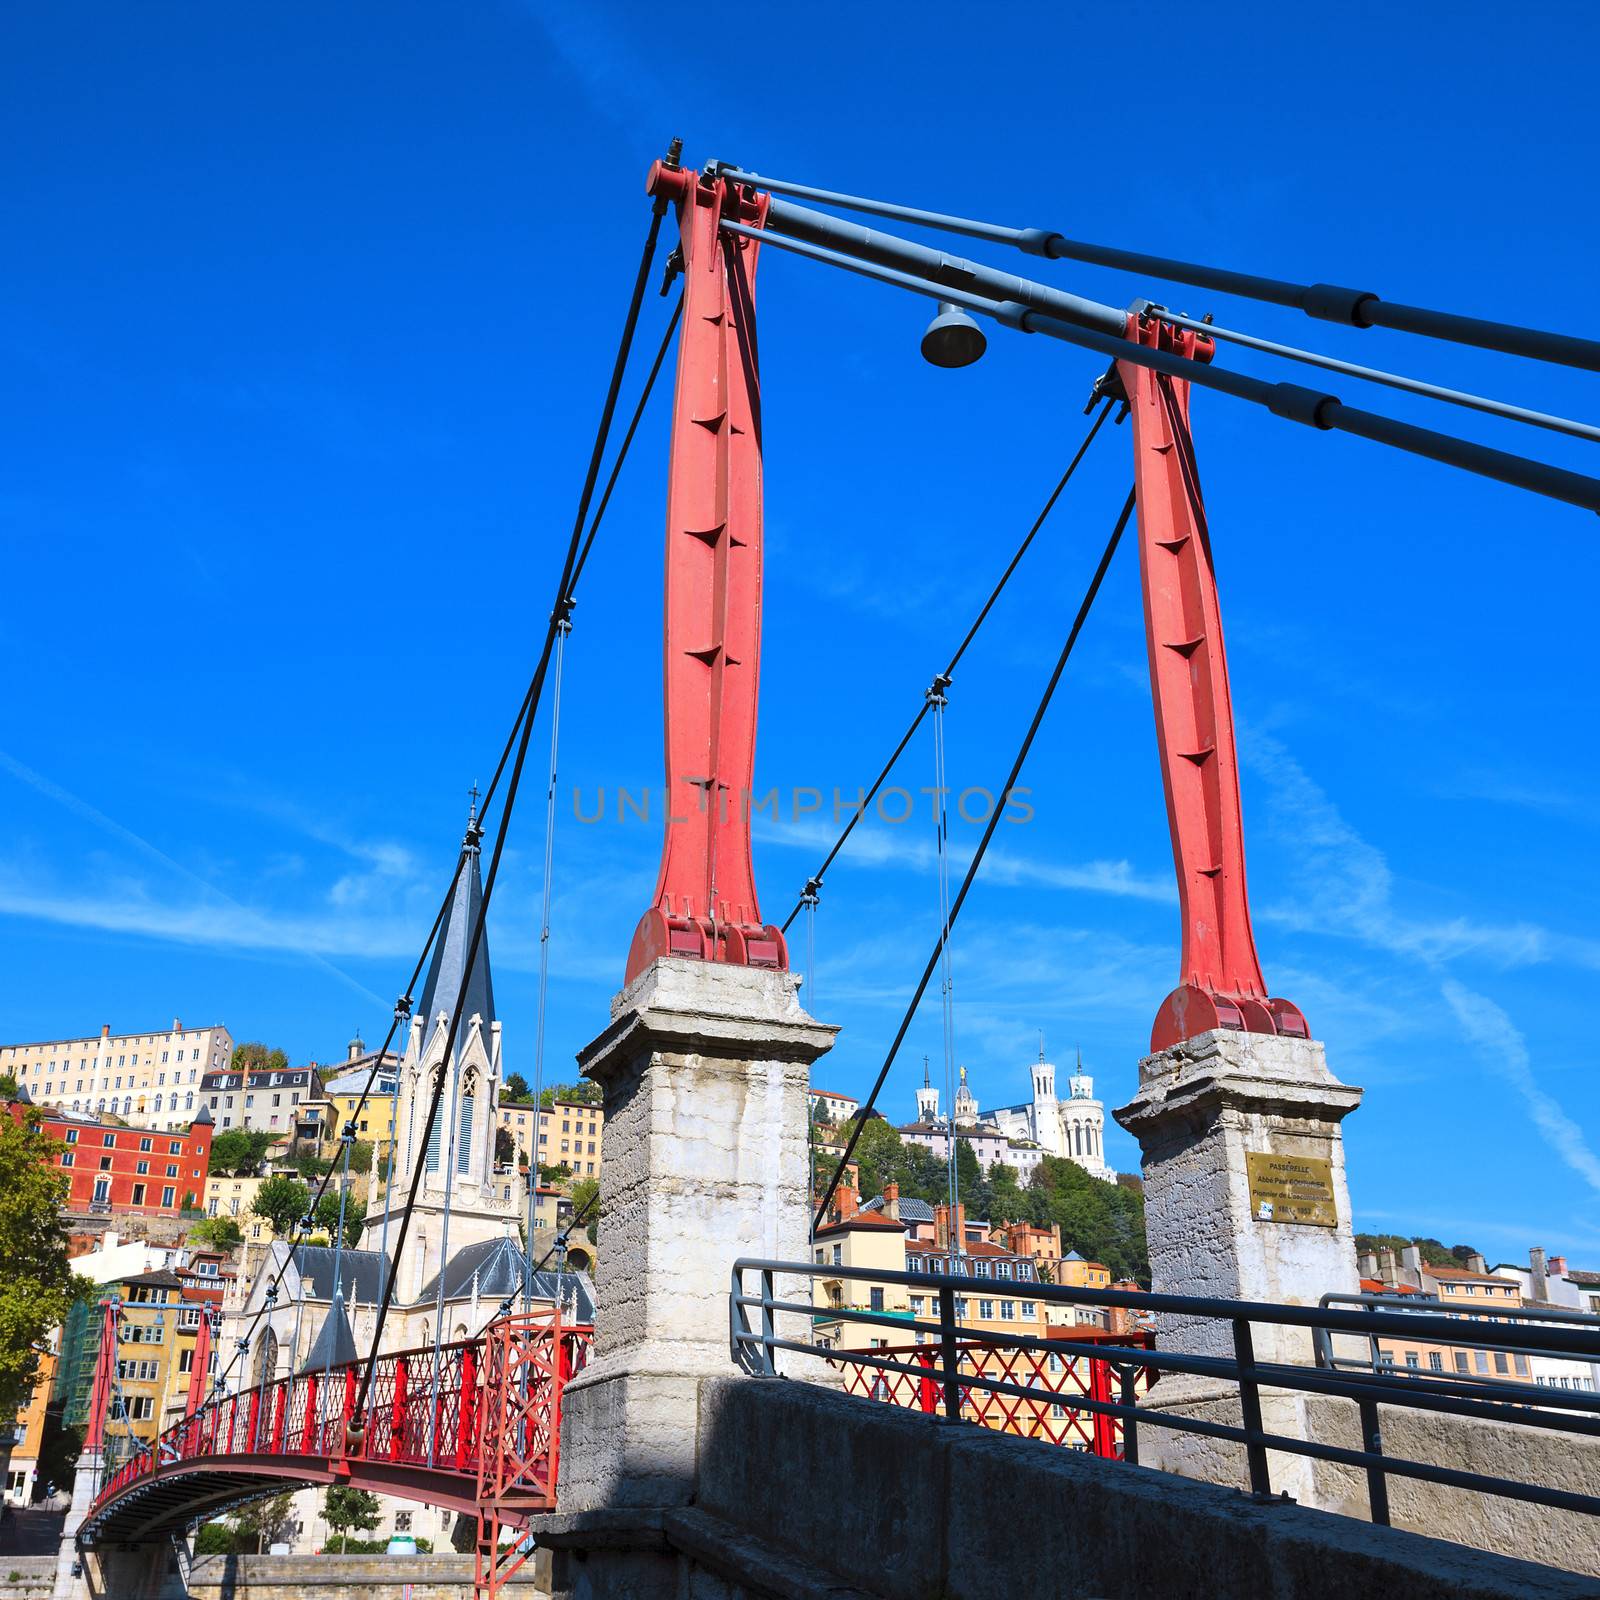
{"points": [[464, 1426], [1053, 1380]]}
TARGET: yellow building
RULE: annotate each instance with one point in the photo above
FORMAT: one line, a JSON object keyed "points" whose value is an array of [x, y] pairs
{"points": [[869, 1241], [570, 1134], [150, 1080], [23, 1469]]}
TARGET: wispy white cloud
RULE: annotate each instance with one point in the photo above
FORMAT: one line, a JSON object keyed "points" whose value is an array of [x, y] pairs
{"points": [[1347, 890], [1505, 1053], [898, 847]]}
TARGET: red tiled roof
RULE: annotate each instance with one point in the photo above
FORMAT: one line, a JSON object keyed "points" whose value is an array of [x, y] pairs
{"points": [[830, 1094], [1378, 1286], [862, 1219]]}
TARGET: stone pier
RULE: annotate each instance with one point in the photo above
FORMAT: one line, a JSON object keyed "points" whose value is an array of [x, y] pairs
{"points": [[1245, 1199], [705, 1071]]}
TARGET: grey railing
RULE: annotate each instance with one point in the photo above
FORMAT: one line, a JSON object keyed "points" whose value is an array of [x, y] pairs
{"points": [[1561, 1411]]}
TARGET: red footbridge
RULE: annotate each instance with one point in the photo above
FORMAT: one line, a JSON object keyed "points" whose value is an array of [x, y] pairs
{"points": [[484, 1441]]}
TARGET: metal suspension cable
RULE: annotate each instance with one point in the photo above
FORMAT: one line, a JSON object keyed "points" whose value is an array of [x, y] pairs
{"points": [[983, 846], [1327, 302], [1392, 380], [347, 1139], [937, 700], [560, 608], [1290, 401], [449, 1157], [815, 882], [544, 943]]}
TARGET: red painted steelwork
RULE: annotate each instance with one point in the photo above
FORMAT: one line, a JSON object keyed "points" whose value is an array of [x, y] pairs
{"points": [[202, 1363], [1220, 975], [705, 904], [1054, 1379], [105, 1366], [494, 1439]]}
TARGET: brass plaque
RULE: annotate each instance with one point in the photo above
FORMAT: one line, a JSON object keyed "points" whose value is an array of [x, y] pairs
{"points": [[1291, 1189]]}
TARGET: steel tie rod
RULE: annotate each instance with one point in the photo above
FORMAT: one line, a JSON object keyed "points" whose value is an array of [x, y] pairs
{"points": [[1358, 308], [1288, 400], [956, 272]]}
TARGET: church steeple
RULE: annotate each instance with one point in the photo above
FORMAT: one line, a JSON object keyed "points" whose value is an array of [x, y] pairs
{"points": [[450, 953]]}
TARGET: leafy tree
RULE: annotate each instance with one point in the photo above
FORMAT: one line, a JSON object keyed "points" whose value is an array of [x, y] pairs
{"points": [[37, 1285], [218, 1233], [311, 1167], [1433, 1253], [327, 1218], [345, 1508], [361, 1155], [585, 1093], [282, 1200], [505, 1147], [975, 1192], [263, 1522], [8, 1086], [254, 1056], [556, 1174], [1102, 1221], [583, 1191], [1007, 1201], [240, 1151], [516, 1091]]}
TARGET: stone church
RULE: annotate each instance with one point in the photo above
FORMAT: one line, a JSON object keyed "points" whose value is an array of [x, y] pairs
{"points": [[463, 1247]]}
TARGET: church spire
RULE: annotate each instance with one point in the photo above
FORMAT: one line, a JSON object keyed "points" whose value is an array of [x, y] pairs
{"points": [[455, 937]]}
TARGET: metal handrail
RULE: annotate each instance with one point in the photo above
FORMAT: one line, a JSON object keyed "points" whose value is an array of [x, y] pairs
{"points": [[1562, 1411]]}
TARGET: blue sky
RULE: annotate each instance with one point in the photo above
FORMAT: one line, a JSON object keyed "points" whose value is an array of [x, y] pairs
{"points": [[308, 316]]}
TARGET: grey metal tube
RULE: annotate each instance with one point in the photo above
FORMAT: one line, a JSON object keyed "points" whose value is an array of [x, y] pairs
{"points": [[1392, 380], [1359, 308], [1288, 400], [955, 272]]}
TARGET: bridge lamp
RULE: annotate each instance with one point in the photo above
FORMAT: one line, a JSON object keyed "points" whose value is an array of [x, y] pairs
{"points": [[953, 339]]}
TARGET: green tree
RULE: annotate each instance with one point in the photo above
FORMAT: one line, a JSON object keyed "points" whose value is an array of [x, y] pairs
{"points": [[254, 1056], [1101, 1221], [556, 1174], [584, 1093], [583, 1191], [37, 1285], [880, 1154], [263, 1522], [282, 1200], [505, 1147], [311, 1167], [1007, 1202], [975, 1194], [516, 1091], [8, 1086], [240, 1151], [217, 1233], [327, 1218], [346, 1509]]}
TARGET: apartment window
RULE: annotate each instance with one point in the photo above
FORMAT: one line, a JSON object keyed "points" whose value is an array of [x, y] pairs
{"points": [[249, 1100], [72, 1136], [277, 1099], [1411, 1360], [877, 1300], [211, 1206], [1008, 1311], [1028, 1312], [138, 1195], [1480, 1360], [1521, 1363], [986, 1310], [822, 1257], [68, 1158], [169, 1195], [1500, 1362], [142, 1168], [143, 1407], [109, 1139], [186, 1361], [175, 1148], [195, 1056], [163, 1057], [838, 1255], [105, 1163]]}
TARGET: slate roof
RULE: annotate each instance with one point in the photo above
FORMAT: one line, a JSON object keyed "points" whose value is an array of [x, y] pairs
{"points": [[499, 1265], [360, 1272], [911, 1210], [334, 1345], [450, 953]]}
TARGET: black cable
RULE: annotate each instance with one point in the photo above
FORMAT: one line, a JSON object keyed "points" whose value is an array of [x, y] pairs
{"points": [[815, 881], [977, 859], [558, 615]]}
